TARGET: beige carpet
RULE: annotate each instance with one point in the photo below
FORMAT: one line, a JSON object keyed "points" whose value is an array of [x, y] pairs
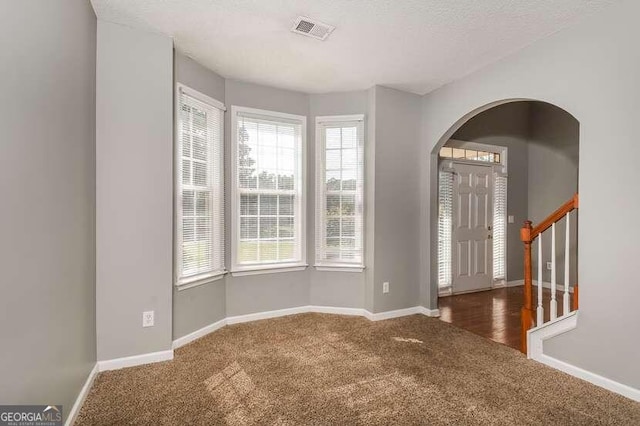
{"points": [[329, 369]]}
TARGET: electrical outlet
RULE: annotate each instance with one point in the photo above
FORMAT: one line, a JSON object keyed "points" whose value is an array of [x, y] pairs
{"points": [[511, 219], [549, 266], [147, 319], [385, 287]]}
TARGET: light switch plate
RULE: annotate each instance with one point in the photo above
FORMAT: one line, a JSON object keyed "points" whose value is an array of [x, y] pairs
{"points": [[511, 219]]}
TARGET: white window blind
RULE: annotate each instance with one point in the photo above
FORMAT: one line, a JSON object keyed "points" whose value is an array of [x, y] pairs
{"points": [[339, 191], [199, 187], [445, 214], [268, 189], [499, 227]]}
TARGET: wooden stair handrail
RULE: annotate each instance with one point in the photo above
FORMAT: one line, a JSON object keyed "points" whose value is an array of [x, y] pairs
{"points": [[528, 233], [554, 217]]}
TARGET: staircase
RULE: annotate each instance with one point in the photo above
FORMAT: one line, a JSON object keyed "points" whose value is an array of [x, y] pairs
{"points": [[531, 319]]}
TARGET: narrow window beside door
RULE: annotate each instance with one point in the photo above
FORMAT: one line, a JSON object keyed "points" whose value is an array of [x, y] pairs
{"points": [[199, 188], [500, 228], [445, 212]]}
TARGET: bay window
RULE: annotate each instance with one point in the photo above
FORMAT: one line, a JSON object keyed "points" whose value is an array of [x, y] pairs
{"points": [[268, 191]]}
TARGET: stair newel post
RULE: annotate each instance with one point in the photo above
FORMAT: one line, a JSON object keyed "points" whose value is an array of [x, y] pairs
{"points": [[527, 308]]}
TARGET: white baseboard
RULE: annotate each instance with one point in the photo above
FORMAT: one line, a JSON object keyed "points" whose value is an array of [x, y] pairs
{"points": [[402, 313], [434, 313], [149, 358], [536, 338], [238, 319], [267, 314], [379, 316], [75, 410], [603, 382], [181, 341], [132, 361], [338, 310], [332, 310]]}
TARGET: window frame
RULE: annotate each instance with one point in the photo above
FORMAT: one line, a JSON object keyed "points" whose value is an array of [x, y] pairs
{"points": [[322, 123], [181, 282], [272, 267]]}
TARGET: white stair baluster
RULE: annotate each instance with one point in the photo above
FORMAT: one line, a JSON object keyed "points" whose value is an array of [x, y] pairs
{"points": [[565, 300], [553, 308], [540, 309]]}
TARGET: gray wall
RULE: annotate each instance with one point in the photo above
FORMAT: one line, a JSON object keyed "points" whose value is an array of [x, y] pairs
{"points": [[582, 71], [47, 181], [553, 179], [134, 181], [507, 125], [342, 289], [264, 292], [197, 307], [370, 201], [397, 205]]}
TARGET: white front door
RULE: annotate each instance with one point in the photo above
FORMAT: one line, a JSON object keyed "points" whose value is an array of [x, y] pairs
{"points": [[472, 246]]}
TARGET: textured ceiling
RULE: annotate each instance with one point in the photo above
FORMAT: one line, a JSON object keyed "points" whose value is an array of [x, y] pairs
{"points": [[412, 45]]}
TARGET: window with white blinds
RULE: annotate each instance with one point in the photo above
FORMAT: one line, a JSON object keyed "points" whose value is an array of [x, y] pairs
{"points": [[199, 187], [268, 229], [499, 227], [445, 217], [339, 192]]}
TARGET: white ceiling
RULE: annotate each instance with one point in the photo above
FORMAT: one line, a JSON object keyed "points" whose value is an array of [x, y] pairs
{"points": [[412, 45]]}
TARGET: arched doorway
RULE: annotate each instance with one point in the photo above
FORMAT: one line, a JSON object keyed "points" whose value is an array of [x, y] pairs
{"points": [[508, 162]]}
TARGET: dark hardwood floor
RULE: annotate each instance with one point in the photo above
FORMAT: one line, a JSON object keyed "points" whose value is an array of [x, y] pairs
{"points": [[494, 314]]}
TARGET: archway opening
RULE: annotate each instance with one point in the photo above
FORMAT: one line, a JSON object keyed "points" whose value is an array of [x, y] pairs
{"points": [[505, 163]]}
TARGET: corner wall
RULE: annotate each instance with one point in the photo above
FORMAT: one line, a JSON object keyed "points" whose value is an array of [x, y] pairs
{"points": [[397, 204], [134, 181], [553, 179], [265, 292], [47, 219], [198, 307], [337, 289]]}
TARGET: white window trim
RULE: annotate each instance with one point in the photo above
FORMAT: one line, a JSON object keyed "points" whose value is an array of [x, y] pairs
{"points": [[503, 281], [320, 146], [329, 267], [500, 168], [196, 280], [199, 280], [266, 268]]}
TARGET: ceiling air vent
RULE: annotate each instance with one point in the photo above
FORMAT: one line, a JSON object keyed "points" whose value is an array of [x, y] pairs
{"points": [[311, 28]]}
